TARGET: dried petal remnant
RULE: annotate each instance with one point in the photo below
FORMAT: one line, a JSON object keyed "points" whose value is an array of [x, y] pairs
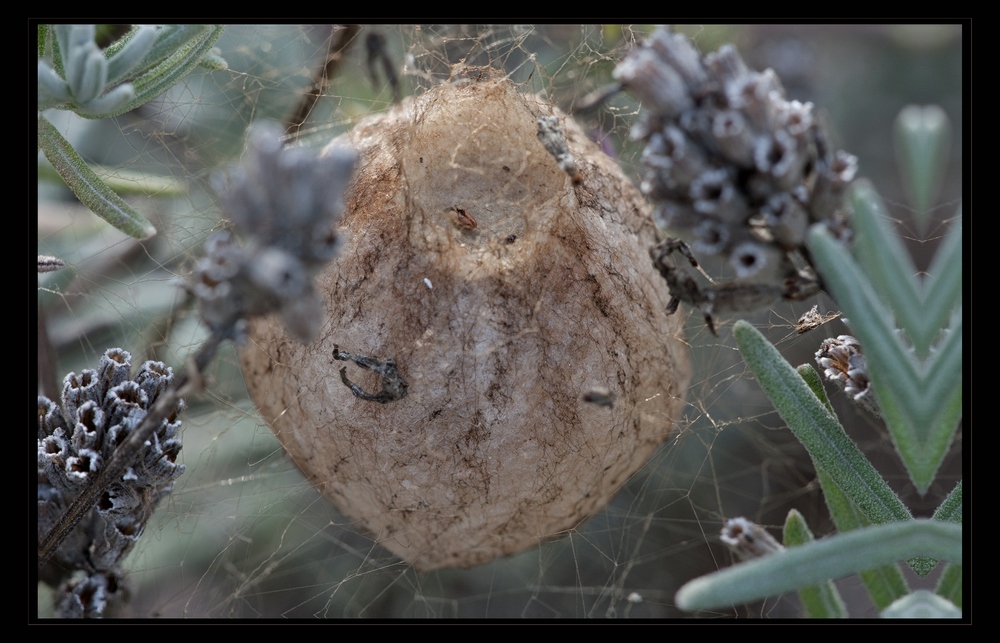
{"points": [[843, 362], [494, 448], [462, 218]]}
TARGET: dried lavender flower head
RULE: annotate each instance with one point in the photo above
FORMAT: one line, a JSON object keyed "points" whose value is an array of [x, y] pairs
{"points": [[284, 203], [747, 540], [734, 126], [734, 166], [499, 285], [100, 408]]}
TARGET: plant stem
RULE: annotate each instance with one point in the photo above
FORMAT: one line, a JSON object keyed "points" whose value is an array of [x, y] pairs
{"points": [[339, 42]]}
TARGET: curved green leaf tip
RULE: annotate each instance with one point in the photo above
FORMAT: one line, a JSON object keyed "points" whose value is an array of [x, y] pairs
{"points": [[818, 429], [87, 186], [922, 604], [821, 600]]}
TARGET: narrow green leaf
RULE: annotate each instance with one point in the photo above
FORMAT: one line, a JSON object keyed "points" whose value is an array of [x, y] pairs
{"points": [[818, 429], [93, 78], [124, 181], [72, 39], [951, 509], [819, 601], [815, 383], [43, 34], [871, 322], [214, 61], [922, 307], [59, 43], [943, 284], [885, 584], [830, 558], [79, 42], [169, 39], [911, 405], [946, 357], [943, 384], [888, 265], [87, 187], [921, 138], [125, 54], [52, 89], [950, 584]]}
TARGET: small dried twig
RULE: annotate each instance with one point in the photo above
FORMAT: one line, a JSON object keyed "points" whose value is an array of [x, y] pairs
{"points": [[597, 98], [50, 264], [550, 134], [375, 47], [340, 40], [394, 386], [812, 318]]}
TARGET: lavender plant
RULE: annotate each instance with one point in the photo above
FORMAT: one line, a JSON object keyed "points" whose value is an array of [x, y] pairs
{"points": [[75, 74], [746, 174], [99, 482], [357, 577]]}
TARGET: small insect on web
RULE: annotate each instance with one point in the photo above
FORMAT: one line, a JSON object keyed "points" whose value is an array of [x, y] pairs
{"points": [[812, 319], [729, 297]]}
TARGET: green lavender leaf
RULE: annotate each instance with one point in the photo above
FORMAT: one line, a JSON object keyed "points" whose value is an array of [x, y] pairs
{"points": [[816, 562], [818, 601], [922, 604], [87, 186], [167, 73], [920, 398], [886, 583], [950, 584], [921, 137], [818, 429]]}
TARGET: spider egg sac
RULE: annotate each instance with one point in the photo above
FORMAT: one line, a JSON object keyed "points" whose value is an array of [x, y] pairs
{"points": [[542, 291]]}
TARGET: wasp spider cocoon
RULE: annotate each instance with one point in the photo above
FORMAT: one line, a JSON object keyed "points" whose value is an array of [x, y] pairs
{"points": [[492, 446]]}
